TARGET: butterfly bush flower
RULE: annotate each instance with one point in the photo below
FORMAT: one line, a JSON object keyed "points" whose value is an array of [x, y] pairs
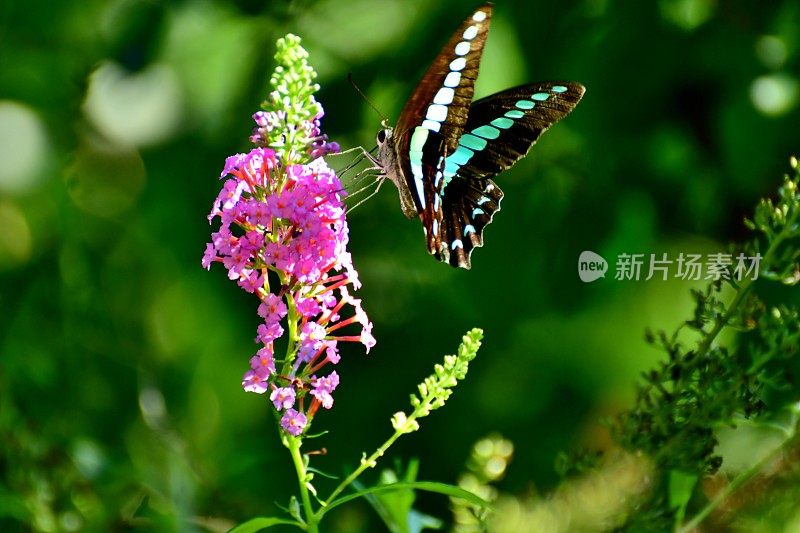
{"points": [[283, 237]]}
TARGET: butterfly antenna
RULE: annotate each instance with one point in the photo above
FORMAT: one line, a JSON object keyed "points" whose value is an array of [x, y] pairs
{"points": [[384, 120]]}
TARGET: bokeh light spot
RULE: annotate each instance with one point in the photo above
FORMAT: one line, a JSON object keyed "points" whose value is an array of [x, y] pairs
{"points": [[772, 51], [16, 242], [23, 148], [687, 14], [105, 180], [140, 109], [774, 95]]}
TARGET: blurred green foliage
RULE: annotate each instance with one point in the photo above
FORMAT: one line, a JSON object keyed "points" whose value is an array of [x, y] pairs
{"points": [[121, 359]]}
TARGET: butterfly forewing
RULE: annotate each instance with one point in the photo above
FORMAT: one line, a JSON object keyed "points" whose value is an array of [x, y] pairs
{"points": [[499, 131], [433, 119], [502, 128], [441, 101]]}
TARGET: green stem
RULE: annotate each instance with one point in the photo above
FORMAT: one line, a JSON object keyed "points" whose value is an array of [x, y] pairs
{"points": [[365, 463], [370, 461], [292, 320], [745, 286], [312, 520]]}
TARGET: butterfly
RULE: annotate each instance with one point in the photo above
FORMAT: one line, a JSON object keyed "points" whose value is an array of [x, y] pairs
{"points": [[445, 149]]}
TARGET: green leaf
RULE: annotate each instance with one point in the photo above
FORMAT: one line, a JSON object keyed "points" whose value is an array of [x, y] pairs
{"points": [[396, 507], [429, 486], [263, 522]]}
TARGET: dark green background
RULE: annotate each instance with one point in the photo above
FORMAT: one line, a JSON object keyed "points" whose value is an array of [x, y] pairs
{"points": [[121, 358]]}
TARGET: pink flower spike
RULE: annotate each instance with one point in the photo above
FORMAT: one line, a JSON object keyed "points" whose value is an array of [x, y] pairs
{"points": [[282, 221]]}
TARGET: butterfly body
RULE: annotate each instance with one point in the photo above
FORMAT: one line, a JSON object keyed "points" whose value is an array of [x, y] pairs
{"points": [[445, 149]]}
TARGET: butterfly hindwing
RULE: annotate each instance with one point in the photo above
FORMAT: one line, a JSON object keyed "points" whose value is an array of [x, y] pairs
{"points": [[469, 206]]}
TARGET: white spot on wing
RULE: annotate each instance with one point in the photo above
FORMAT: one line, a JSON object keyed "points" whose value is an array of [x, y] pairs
{"points": [[458, 64], [479, 16], [462, 48], [444, 96], [452, 79], [418, 139], [416, 170], [457, 244], [437, 112], [431, 125], [470, 33]]}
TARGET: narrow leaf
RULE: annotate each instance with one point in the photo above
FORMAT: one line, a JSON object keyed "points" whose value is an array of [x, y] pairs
{"points": [[429, 486]]}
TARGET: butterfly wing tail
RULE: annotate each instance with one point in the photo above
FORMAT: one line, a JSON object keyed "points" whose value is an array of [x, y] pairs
{"points": [[473, 204]]}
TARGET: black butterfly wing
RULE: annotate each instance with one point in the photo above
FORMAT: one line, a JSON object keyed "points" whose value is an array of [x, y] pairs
{"points": [[434, 118], [441, 101], [469, 205], [500, 130], [510, 122]]}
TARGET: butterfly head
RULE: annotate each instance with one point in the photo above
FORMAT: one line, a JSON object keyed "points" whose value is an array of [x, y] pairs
{"points": [[386, 154], [383, 135]]}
